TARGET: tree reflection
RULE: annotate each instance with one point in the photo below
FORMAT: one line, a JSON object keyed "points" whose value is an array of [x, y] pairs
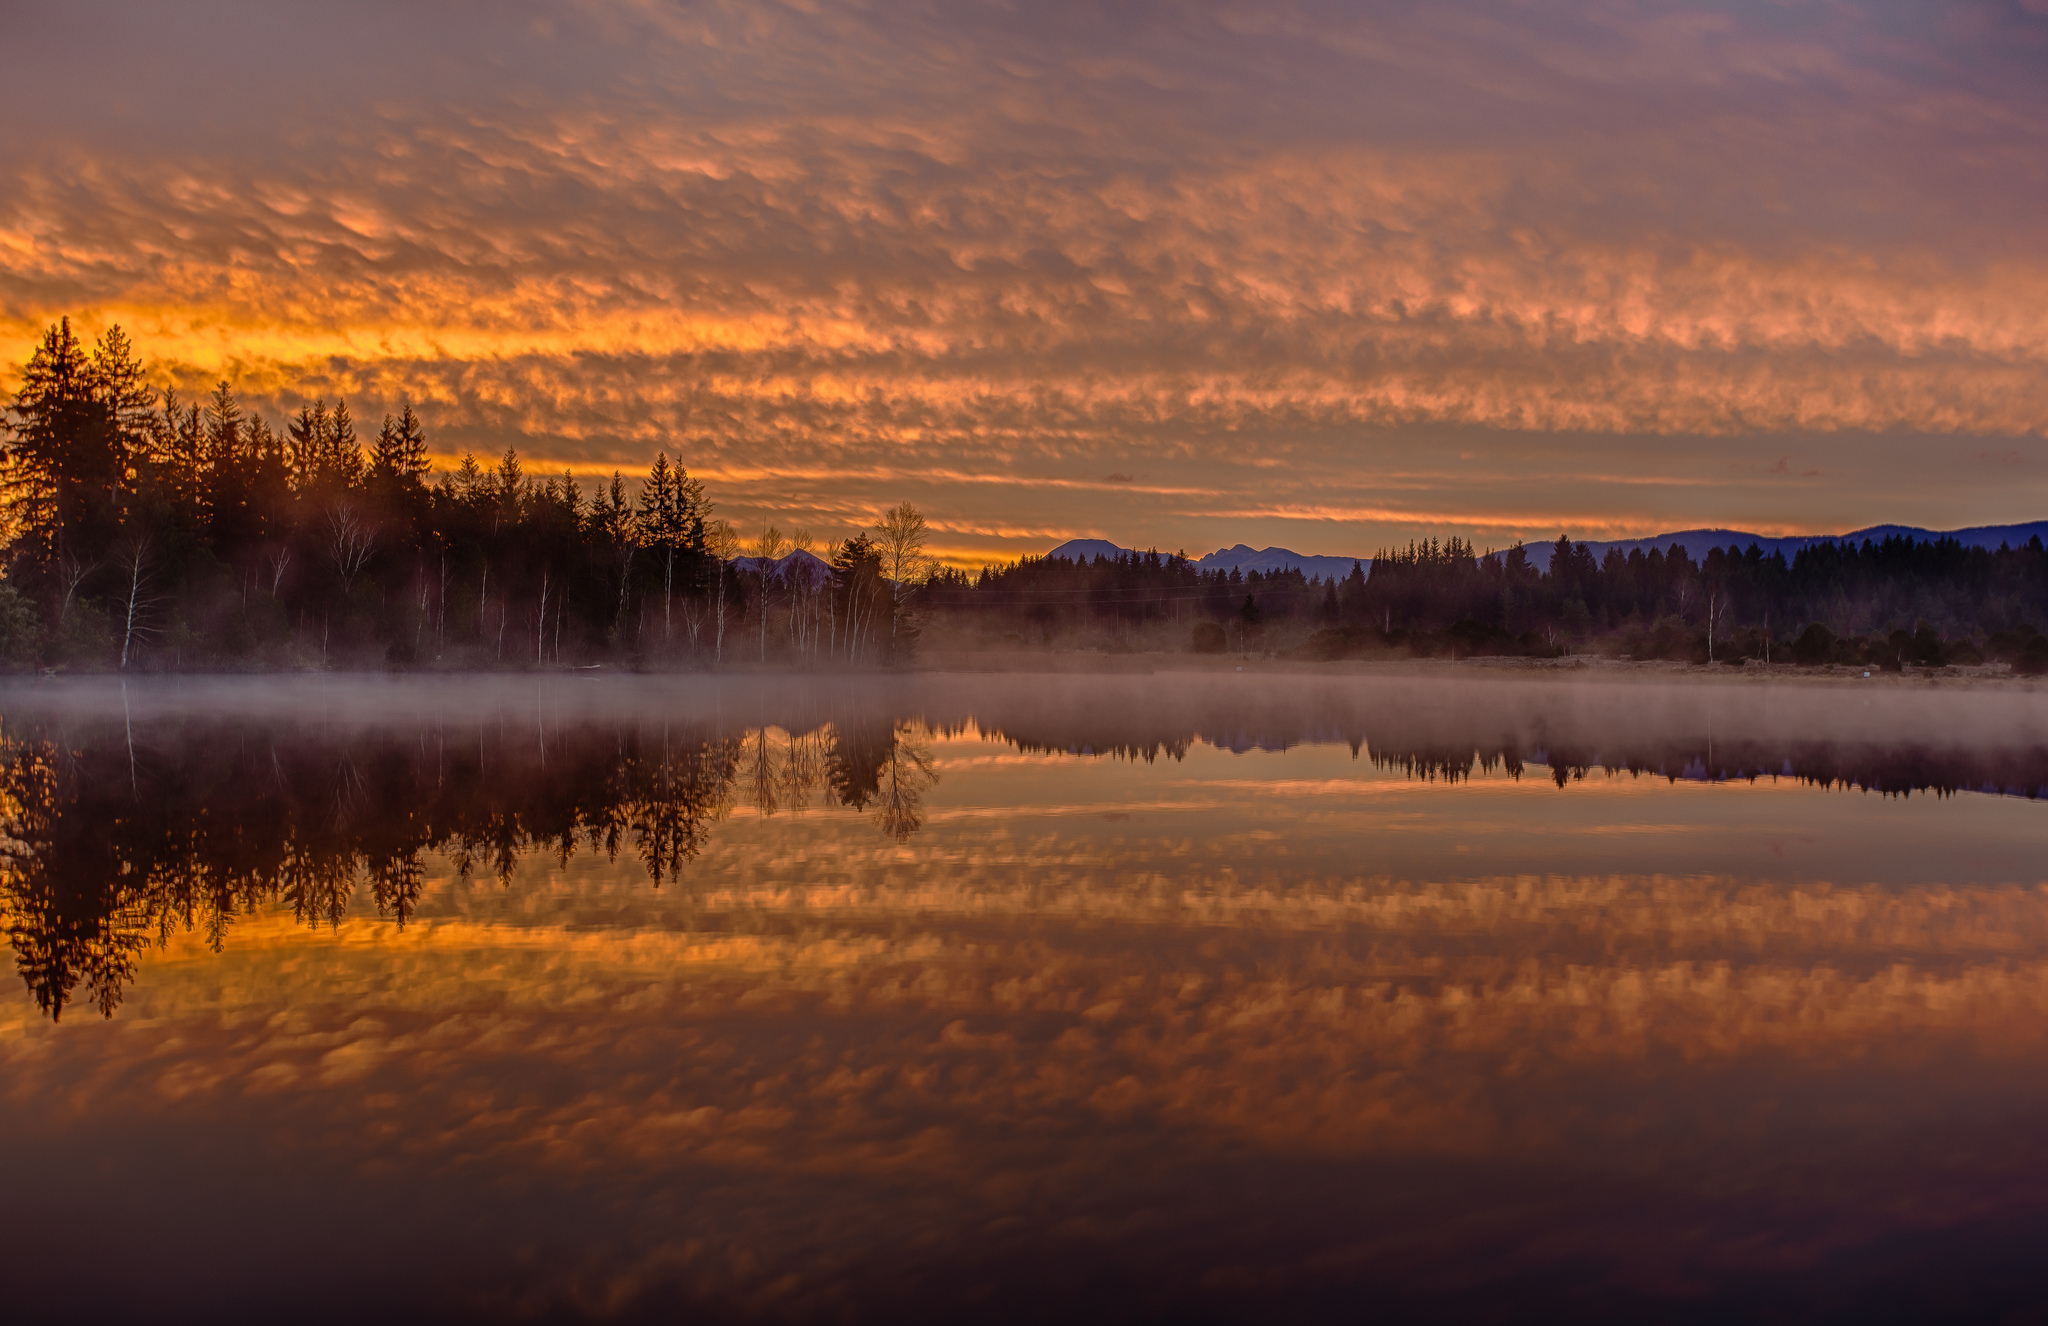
{"points": [[74, 915], [116, 837], [905, 775], [114, 834]]}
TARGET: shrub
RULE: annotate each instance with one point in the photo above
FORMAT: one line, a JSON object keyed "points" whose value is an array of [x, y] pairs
{"points": [[1815, 646], [18, 630], [2007, 646], [1210, 639], [1323, 645], [1963, 654]]}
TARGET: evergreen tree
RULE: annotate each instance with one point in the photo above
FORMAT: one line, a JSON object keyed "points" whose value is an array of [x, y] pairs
{"points": [[119, 376], [342, 468], [306, 445], [64, 473], [398, 459], [227, 474]]}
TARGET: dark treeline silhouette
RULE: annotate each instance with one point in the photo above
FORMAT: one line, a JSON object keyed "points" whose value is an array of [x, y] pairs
{"points": [[148, 532], [1037, 597], [151, 532], [120, 833], [1890, 604]]}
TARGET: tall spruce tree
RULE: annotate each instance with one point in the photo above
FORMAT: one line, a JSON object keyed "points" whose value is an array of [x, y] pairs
{"points": [[64, 473]]}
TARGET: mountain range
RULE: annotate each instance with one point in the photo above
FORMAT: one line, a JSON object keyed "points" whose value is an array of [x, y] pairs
{"points": [[1241, 558], [807, 568], [1696, 542]]}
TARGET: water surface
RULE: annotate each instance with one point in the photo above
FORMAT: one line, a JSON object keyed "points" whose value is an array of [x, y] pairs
{"points": [[1149, 997]]}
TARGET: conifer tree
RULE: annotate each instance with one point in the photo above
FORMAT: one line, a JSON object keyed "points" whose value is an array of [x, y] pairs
{"points": [[226, 473], [398, 459], [119, 376], [344, 460], [64, 472]]}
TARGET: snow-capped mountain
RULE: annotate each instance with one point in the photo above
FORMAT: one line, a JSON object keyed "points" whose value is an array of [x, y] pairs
{"points": [[799, 568]]}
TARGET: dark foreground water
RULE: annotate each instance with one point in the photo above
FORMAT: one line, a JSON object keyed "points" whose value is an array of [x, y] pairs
{"points": [[1174, 997]]}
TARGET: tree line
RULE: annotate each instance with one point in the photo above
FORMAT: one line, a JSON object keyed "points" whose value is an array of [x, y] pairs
{"points": [[1891, 603], [148, 531]]}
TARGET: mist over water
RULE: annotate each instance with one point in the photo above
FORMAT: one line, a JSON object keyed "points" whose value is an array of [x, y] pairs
{"points": [[1232, 995]]}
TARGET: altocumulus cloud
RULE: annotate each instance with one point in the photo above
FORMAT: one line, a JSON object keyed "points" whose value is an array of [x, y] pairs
{"points": [[1318, 271]]}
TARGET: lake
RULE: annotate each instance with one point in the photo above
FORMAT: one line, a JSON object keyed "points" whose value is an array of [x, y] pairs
{"points": [[1157, 997]]}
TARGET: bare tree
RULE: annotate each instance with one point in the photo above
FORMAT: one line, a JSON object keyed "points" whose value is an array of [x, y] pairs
{"points": [[803, 768], [540, 620], [901, 538], [351, 539], [71, 573], [723, 545], [906, 775], [767, 549], [693, 619], [137, 563], [279, 559], [801, 588], [763, 771]]}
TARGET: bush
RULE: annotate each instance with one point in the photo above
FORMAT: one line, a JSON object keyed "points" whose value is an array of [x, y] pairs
{"points": [[18, 630], [1815, 646], [1324, 645], [2033, 660], [1962, 654], [85, 638], [1670, 639], [2008, 646], [1210, 639]]}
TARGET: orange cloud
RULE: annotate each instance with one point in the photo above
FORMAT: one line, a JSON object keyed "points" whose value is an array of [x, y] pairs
{"points": [[1027, 261]]}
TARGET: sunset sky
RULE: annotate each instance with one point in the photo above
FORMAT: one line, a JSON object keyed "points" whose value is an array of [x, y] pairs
{"points": [[1294, 272]]}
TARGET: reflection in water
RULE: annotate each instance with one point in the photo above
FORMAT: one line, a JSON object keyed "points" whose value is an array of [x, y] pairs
{"points": [[120, 831], [773, 1003], [116, 834]]}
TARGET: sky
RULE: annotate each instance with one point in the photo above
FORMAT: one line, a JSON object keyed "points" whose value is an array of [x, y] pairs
{"points": [[1328, 276]]}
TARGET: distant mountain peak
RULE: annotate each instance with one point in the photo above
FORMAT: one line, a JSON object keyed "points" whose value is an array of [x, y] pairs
{"points": [[1697, 542], [1239, 557]]}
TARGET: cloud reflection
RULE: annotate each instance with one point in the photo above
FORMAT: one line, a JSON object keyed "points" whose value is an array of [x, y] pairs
{"points": [[826, 1046]]}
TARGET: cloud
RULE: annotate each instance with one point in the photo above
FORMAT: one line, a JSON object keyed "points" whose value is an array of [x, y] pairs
{"points": [[923, 242]]}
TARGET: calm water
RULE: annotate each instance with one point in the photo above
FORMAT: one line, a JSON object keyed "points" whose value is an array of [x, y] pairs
{"points": [[1216, 997]]}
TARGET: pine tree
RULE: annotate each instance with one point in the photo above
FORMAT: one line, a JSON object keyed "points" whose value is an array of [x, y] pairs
{"points": [[509, 488], [343, 468], [398, 460], [64, 473], [188, 456], [660, 526], [226, 474], [117, 374], [270, 488], [306, 445]]}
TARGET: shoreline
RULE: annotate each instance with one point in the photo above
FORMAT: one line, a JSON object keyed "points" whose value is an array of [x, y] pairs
{"points": [[1579, 668], [1574, 667]]}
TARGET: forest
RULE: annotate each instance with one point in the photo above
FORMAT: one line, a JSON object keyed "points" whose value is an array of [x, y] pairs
{"points": [[1893, 604], [147, 532]]}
